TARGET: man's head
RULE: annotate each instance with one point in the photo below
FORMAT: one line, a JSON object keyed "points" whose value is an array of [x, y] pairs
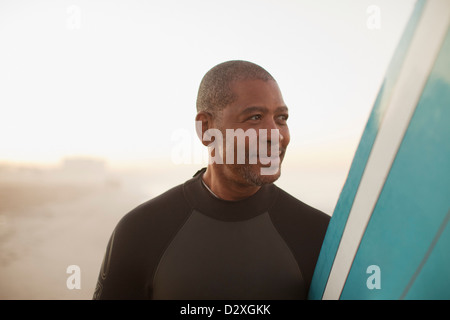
{"points": [[215, 91], [241, 96]]}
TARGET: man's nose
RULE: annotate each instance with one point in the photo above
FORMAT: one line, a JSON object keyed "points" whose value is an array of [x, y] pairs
{"points": [[272, 125]]}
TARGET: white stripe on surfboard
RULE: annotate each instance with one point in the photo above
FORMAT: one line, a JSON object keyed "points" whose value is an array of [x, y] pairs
{"points": [[423, 50]]}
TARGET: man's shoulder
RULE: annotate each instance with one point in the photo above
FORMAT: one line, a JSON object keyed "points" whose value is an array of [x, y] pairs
{"points": [[302, 227], [168, 198], [168, 207], [295, 208]]}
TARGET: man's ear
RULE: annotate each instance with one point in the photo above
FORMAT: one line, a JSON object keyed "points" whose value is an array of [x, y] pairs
{"points": [[203, 122]]}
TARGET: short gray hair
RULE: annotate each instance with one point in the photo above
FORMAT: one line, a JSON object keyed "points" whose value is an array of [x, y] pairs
{"points": [[215, 92]]}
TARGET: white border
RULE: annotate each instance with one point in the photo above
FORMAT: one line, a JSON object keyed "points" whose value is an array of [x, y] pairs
{"points": [[419, 61]]}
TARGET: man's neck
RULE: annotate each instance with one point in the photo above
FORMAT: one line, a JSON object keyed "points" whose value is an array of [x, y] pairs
{"points": [[225, 187]]}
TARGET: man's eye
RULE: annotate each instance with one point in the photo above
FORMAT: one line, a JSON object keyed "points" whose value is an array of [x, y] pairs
{"points": [[283, 118], [255, 117]]}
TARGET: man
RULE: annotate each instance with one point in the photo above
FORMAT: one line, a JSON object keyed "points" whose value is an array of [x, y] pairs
{"points": [[229, 232]]}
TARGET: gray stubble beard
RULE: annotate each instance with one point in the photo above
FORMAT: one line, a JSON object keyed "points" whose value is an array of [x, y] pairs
{"points": [[253, 177]]}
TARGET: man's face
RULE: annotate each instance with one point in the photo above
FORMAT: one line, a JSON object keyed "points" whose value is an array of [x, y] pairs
{"points": [[259, 105]]}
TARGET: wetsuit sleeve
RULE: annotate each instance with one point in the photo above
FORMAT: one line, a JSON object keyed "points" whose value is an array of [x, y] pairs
{"points": [[136, 246], [303, 228], [121, 275]]}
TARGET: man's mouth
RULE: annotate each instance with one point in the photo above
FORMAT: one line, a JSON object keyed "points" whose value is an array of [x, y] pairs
{"points": [[266, 159]]}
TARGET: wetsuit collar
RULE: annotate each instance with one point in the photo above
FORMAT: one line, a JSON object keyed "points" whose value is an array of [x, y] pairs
{"points": [[202, 200], [207, 188]]}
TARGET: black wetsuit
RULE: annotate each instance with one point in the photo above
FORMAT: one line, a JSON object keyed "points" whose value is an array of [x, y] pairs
{"points": [[188, 244]]}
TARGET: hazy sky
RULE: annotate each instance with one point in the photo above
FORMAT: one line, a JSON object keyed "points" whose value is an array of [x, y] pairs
{"points": [[118, 79]]}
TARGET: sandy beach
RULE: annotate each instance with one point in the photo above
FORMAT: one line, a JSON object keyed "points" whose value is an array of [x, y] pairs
{"points": [[49, 221]]}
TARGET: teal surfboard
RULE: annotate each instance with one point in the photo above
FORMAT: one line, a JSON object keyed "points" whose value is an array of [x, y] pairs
{"points": [[389, 235]]}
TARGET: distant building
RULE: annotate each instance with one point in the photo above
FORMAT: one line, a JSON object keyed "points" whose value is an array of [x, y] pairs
{"points": [[84, 165]]}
